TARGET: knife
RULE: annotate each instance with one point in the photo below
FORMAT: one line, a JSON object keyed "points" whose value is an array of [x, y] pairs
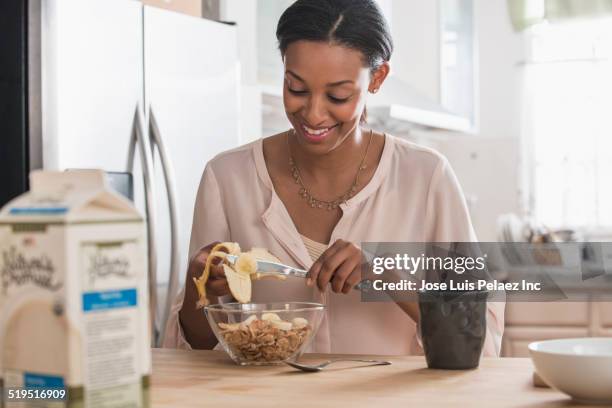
{"points": [[272, 267], [269, 267]]}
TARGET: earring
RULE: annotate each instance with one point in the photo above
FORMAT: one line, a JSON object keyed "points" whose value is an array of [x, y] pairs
{"points": [[374, 90]]}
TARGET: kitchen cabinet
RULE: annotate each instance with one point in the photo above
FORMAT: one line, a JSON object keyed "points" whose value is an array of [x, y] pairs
{"points": [[190, 7], [602, 315], [533, 321]]}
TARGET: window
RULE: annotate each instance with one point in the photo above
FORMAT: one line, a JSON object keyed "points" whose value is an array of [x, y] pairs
{"points": [[568, 125], [458, 59]]}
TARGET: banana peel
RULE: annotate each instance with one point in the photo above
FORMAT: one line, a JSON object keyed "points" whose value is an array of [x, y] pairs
{"points": [[218, 251]]}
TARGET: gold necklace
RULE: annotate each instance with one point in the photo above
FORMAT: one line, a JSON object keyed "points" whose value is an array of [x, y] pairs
{"points": [[304, 192]]}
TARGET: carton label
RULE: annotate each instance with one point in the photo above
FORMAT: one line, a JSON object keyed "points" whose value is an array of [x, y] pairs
{"points": [[110, 314], [38, 210], [110, 299], [19, 269]]}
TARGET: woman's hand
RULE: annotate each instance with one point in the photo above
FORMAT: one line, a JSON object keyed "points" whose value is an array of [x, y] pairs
{"points": [[217, 283], [196, 329], [339, 265]]}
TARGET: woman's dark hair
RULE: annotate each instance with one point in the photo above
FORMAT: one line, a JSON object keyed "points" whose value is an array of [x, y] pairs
{"points": [[356, 24]]}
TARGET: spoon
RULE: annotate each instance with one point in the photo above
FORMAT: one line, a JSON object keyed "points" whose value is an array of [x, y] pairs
{"points": [[320, 367]]}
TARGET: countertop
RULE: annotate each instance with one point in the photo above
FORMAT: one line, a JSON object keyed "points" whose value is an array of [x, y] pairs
{"points": [[201, 378]]}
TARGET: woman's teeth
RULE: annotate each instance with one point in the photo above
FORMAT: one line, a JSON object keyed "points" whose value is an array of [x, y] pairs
{"points": [[316, 132]]}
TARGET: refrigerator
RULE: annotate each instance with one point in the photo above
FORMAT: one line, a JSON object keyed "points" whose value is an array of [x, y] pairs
{"points": [[124, 87]]}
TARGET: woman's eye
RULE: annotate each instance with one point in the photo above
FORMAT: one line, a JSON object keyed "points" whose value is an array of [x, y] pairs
{"points": [[296, 91], [333, 99]]}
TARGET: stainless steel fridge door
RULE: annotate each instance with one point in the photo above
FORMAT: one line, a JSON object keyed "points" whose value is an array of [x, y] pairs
{"points": [[92, 80], [191, 84]]}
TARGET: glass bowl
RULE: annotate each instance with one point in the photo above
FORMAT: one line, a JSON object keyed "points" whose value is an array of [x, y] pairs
{"points": [[264, 333]]}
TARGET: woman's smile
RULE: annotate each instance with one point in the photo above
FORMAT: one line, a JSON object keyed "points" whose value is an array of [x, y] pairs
{"points": [[316, 135]]}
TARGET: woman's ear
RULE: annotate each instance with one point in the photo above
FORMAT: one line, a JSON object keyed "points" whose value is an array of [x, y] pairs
{"points": [[379, 76]]}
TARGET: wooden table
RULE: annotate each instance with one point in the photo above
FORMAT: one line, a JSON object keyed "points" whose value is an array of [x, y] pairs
{"points": [[209, 378]]}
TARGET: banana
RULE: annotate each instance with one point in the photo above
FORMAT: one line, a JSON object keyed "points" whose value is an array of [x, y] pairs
{"points": [[239, 284], [239, 275]]}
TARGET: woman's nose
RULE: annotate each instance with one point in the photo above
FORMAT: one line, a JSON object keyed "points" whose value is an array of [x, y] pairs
{"points": [[315, 111]]}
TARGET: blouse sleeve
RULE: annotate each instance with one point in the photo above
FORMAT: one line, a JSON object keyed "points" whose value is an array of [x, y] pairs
{"points": [[209, 225], [448, 220]]}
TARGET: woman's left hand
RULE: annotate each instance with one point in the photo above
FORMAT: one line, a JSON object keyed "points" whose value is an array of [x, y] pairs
{"points": [[339, 265]]}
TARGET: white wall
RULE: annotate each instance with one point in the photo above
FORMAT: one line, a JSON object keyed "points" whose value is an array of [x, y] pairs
{"points": [[244, 13], [414, 27], [487, 170], [500, 50], [486, 163]]}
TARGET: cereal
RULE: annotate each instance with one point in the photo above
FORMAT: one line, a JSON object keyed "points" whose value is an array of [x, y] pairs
{"points": [[268, 340]]}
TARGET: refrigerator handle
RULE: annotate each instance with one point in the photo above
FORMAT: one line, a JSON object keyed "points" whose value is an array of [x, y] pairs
{"points": [[170, 181], [140, 138]]}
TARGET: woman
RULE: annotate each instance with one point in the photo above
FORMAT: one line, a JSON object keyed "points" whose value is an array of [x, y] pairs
{"points": [[312, 194]]}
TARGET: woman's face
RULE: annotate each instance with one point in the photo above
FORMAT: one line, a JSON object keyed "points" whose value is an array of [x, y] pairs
{"points": [[324, 93]]}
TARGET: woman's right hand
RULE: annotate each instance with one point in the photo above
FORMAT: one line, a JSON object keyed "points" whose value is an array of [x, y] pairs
{"points": [[217, 282]]}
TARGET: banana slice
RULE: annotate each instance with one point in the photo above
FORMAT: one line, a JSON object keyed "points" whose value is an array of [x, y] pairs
{"points": [[249, 320], [281, 324], [299, 322], [229, 326], [239, 284], [270, 317]]}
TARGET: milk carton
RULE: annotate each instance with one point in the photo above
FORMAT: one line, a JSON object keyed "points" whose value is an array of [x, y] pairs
{"points": [[73, 295]]}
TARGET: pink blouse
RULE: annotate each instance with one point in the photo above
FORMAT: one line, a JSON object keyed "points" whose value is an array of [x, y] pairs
{"points": [[413, 196]]}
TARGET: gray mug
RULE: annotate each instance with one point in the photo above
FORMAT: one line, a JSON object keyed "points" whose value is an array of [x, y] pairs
{"points": [[453, 328]]}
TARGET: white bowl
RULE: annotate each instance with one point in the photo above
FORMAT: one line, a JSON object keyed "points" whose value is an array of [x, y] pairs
{"points": [[581, 368]]}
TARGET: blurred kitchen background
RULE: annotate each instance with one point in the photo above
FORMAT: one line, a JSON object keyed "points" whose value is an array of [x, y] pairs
{"points": [[516, 93]]}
